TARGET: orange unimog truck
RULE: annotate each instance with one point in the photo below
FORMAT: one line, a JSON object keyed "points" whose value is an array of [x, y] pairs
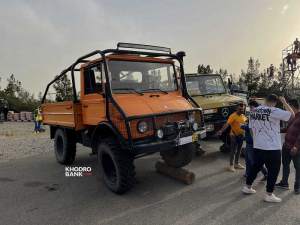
{"points": [[130, 105]]}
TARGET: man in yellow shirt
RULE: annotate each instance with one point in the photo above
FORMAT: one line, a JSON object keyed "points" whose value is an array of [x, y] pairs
{"points": [[235, 121]]}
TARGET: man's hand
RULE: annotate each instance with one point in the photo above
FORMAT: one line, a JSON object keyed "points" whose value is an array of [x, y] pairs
{"points": [[219, 133], [294, 151], [282, 100], [287, 106]]}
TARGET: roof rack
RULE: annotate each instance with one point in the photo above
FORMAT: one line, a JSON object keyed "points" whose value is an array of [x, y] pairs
{"points": [[144, 47]]}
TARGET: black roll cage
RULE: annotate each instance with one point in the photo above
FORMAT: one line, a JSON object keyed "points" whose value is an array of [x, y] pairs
{"points": [[108, 92]]}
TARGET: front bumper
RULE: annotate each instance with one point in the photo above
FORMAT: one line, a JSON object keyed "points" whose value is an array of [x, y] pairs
{"points": [[163, 145], [214, 126]]}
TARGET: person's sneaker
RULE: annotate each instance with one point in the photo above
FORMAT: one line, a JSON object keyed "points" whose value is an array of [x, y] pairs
{"points": [[272, 198], [231, 169], [248, 191], [297, 191], [282, 185], [239, 166]]}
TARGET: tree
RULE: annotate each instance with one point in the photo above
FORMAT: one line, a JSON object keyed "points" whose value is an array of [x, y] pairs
{"points": [[252, 76], [204, 69], [40, 96], [224, 74], [13, 86], [63, 88]]}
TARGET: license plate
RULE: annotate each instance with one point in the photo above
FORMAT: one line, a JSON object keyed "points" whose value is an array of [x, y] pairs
{"points": [[195, 137], [185, 140]]}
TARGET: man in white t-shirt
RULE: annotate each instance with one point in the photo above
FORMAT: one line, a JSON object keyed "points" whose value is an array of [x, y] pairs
{"points": [[265, 128]]}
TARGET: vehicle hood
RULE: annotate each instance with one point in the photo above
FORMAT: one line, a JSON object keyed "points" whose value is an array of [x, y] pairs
{"points": [[216, 101], [151, 103]]}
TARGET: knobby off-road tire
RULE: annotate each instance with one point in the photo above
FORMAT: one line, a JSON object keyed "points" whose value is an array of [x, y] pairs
{"points": [[180, 156], [64, 147], [116, 166]]}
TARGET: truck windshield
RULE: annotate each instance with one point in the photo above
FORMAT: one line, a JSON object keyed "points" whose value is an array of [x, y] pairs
{"points": [[205, 85], [141, 76]]}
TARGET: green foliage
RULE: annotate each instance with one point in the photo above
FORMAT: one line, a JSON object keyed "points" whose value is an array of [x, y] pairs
{"points": [[251, 77], [13, 86], [63, 88], [204, 69], [17, 98]]}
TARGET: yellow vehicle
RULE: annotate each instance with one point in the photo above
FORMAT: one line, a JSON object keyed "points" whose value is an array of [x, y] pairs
{"points": [[210, 93]]}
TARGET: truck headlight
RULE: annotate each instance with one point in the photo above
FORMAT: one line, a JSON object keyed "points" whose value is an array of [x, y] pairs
{"points": [[142, 126], [160, 133], [195, 126], [191, 117]]}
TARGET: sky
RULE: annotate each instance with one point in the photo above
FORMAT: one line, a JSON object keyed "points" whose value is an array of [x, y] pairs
{"points": [[38, 39]]}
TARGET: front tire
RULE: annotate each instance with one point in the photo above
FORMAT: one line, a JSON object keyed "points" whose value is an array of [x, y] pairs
{"points": [[64, 147], [116, 164], [180, 156]]}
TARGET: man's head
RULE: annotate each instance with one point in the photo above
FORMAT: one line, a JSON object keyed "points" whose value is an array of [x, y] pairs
{"points": [[240, 108], [253, 104], [272, 100], [295, 105]]}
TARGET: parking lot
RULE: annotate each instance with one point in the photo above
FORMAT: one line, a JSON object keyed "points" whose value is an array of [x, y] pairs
{"points": [[34, 190]]}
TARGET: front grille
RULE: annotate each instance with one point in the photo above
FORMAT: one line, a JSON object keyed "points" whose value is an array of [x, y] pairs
{"points": [[172, 125], [160, 121], [222, 114]]}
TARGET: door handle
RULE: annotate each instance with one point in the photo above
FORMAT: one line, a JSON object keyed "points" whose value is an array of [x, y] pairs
{"points": [[85, 106]]}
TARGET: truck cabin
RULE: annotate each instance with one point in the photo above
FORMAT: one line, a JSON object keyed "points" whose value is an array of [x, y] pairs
{"points": [[136, 93], [205, 84]]}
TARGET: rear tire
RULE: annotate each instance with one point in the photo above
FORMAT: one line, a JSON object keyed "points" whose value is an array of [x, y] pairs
{"points": [[64, 147], [116, 165], [180, 156]]}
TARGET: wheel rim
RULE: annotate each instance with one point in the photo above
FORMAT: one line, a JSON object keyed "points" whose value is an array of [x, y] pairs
{"points": [[109, 168], [59, 145]]}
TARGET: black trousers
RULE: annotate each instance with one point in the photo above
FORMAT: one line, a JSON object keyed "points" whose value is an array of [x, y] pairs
{"points": [[272, 160], [286, 161]]}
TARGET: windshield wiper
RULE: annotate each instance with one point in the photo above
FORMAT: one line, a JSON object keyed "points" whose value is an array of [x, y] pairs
{"points": [[155, 89], [128, 89]]}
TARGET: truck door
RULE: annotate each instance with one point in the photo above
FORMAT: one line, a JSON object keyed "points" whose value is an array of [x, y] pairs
{"points": [[92, 96]]}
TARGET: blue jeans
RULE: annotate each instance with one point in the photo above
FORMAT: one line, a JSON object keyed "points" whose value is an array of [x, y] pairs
{"points": [[249, 159], [37, 125]]}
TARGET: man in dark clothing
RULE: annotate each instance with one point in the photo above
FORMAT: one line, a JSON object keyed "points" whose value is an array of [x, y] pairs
{"points": [[291, 150], [289, 61], [249, 152], [296, 45]]}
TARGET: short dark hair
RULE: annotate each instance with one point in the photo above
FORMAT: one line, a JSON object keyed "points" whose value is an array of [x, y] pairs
{"points": [[253, 103], [294, 103], [272, 98]]}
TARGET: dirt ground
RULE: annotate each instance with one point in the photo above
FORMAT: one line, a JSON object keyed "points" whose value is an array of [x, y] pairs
{"points": [[35, 190], [17, 140]]}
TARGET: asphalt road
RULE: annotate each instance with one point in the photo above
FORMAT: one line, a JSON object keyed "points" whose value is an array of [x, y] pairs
{"points": [[34, 190]]}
